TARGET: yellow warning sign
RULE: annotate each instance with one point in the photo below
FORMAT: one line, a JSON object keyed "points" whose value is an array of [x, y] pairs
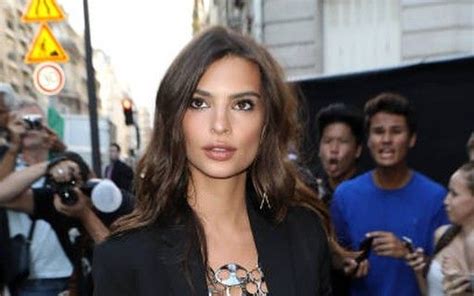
{"points": [[45, 48], [42, 10]]}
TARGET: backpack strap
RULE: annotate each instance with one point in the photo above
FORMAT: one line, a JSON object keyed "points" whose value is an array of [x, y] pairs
{"points": [[32, 229]]}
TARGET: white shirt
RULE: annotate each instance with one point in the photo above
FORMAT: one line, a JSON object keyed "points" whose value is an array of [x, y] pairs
{"points": [[48, 259], [435, 279]]}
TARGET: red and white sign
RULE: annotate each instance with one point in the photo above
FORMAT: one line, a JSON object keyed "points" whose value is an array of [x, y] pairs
{"points": [[49, 78]]}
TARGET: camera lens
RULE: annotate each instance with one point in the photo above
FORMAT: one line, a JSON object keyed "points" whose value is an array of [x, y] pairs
{"points": [[68, 196], [36, 124], [33, 122]]}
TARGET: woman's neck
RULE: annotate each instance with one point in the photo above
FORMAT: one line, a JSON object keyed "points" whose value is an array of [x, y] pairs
{"points": [[468, 229], [218, 202]]}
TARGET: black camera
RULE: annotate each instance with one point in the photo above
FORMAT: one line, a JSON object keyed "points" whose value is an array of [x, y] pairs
{"points": [[33, 121], [65, 190], [104, 194]]}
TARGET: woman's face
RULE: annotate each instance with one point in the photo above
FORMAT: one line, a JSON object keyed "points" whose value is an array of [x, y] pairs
{"points": [[223, 123], [460, 201]]}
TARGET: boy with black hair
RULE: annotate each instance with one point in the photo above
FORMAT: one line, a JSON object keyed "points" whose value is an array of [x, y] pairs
{"points": [[392, 204], [340, 133]]}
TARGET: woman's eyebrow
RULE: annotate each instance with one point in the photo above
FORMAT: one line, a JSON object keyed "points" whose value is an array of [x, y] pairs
{"points": [[233, 96], [246, 94], [202, 93]]}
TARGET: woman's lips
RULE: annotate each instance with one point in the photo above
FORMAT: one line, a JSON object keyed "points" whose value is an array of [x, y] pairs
{"points": [[219, 152]]}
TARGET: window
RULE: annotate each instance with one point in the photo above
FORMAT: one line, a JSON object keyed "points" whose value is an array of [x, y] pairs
{"points": [[10, 24], [11, 55]]}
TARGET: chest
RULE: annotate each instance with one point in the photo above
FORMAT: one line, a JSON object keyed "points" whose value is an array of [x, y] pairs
{"points": [[454, 256], [240, 249], [400, 215]]}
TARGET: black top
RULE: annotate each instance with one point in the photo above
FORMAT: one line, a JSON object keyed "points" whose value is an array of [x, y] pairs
{"points": [[4, 237], [122, 175], [72, 236], [294, 257], [63, 225]]}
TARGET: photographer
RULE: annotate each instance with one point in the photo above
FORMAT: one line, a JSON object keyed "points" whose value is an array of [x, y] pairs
{"points": [[29, 141], [64, 206]]}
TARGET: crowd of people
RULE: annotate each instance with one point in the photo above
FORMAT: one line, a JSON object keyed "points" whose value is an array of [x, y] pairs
{"points": [[220, 208], [41, 202]]}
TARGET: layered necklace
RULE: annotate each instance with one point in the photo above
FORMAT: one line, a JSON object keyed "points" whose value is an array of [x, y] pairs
{"points": [[234, 280]]}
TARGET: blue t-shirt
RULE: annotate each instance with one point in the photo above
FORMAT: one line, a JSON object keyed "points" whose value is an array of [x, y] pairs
{"points": [[415, 211]]}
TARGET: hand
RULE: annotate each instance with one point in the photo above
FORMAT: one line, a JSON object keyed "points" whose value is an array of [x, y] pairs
{"points": [[456, 283], [17, 128], [53, 141], [387, 244], [354, 269], [65, 171], [417, 260], [78, 210]]}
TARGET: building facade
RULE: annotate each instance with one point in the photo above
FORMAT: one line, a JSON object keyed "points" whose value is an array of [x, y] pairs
{"points": [[314, 37], [15, 38]]}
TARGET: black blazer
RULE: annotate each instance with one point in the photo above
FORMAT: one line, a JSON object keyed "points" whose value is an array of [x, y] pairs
{"points": [[294, 257], [122, 175]]}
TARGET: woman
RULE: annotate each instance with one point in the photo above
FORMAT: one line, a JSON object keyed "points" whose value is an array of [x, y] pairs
{"points": [[220, 208], [451, 270]]}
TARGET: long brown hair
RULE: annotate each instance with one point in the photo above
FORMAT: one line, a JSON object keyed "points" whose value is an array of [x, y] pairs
{"points": [[163, 174]]}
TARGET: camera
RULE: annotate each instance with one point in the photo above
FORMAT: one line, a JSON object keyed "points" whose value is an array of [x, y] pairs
{"points": [[105, 195], [65, 190], [33, 121], [364, 246]]}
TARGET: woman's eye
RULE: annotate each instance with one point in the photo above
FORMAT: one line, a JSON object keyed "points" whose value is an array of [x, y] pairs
{"points": [[197, 103], [244, 105]]}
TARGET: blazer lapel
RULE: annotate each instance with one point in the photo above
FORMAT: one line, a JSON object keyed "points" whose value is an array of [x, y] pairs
{"points": [[173, 240], [274, 253]]}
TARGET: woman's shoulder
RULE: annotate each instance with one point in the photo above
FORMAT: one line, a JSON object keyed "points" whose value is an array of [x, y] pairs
{"points": [[122, 260], [126, 247], [440, 231], [302, 213]]}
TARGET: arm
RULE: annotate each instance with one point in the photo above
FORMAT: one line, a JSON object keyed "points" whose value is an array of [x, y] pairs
{"points": [[417, 261], [14, 189], [94, 226], [7, 164], [82, 210], [17, 129]]}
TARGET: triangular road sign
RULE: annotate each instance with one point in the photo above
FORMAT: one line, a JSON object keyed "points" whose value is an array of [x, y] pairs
{"points": [[45, 48], [42, 10]]}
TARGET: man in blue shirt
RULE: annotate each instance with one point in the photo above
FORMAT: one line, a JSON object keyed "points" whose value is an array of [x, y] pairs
{"points": [[390, 202]]}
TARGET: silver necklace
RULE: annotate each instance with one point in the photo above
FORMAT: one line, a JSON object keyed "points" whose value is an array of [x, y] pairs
{"points": [[233, 278]]}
